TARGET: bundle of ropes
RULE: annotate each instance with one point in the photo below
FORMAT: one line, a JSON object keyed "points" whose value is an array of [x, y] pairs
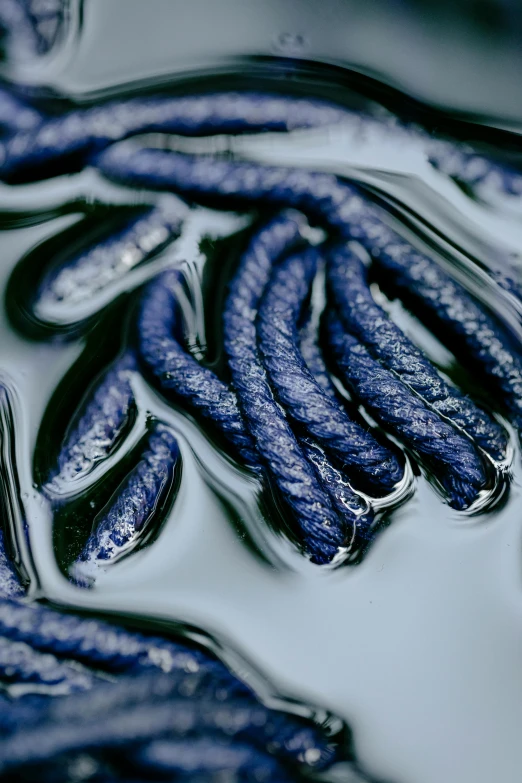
{"points": [[330, 406]]}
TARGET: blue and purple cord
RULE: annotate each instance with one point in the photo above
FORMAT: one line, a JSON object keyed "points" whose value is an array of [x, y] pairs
{"points": [[282, 411]]}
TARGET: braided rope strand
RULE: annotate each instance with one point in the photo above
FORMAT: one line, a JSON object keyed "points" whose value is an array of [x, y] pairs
{"points": [[129, 512], [373, 467], [462, 323], [362, 317], [179, 375], [94, 269], [322, 530], [450, 455], [97, 427]]}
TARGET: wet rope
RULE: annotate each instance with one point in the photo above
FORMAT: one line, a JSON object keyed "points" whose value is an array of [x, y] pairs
{"points": [[179, 376], [137, 500], [452, 457], [337, 203], [374, 468], [282, 413], [347, 279], [83, 277], [470, 331], [148, 708], [45, 653], [323, 531], [97, 427]]}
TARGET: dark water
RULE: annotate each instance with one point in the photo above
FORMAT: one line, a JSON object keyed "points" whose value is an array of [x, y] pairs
{"points": [[419, 647]]}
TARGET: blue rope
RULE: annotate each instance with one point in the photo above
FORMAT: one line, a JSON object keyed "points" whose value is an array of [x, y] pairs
{"points": [[209, 756], [373, 467], [470, 331], [101, 646], [313, 355], [449, 454], [17, 116], [179, 376], [323, 531], [9, 583], [82, 277], [347, 279], [201, 720], [78, 133], [337, 204], [344, 210], [147, 708], [468, 167], [135, 502], [97, 428], [22, 665], [334, 482]]}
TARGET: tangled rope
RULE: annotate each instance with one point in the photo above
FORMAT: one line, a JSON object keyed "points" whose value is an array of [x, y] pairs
{"points": [[174, 709]]}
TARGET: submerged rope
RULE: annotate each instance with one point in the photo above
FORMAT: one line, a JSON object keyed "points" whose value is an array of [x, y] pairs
{"points": [[336, 203], [179, 375], [370, 324], [97, 427], [374, 467], [281, 415], [148, 708], [137, 499], [110, 259], [322, 530], [451, 455]]}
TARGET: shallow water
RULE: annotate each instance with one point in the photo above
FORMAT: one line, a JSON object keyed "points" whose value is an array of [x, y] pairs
{"points": [[418, 647]]}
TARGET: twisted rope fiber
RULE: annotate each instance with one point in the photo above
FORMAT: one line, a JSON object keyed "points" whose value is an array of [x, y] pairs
{"points": [[93, 269], [360, 315], [312, 354], [97, 427], [132, 505], [451, 456], [344, 210], [471, 332], [179, 375], [101, 646], [149, 707], [464, 164], [81, 132], [335, 483], [30, 670], [20, 664], [9, 582], [199, 699], [323, 530], [374, 467], [132, 726]]}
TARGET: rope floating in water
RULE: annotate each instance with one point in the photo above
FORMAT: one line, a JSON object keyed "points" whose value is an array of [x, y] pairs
{"points": [[281, 415], [451, 455], [369, 323], [136, 500], [373, 467]]}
